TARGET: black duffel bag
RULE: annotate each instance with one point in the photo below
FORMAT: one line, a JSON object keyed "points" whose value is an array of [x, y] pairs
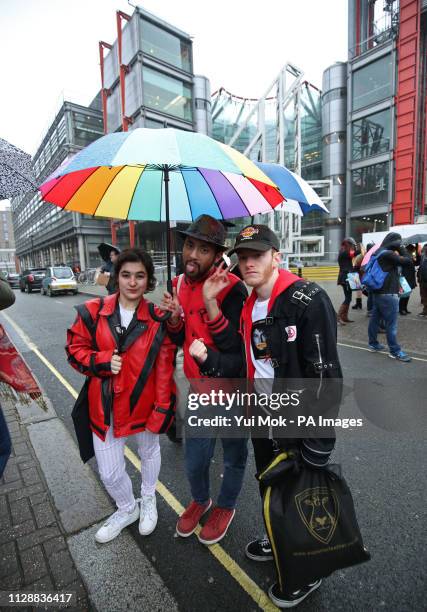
{"points": [[310, 520]]}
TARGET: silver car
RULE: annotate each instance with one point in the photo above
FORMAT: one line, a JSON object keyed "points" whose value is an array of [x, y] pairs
{"points": [[59, 279]]}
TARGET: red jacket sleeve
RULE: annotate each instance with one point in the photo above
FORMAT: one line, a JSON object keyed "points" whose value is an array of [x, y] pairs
{"points": [[81, 354], [164, 370]]}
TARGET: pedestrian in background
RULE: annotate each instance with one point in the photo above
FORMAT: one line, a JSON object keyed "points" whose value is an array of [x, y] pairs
{"points": [[422, 279], [346, 254], [108, 268], [408, 272], [128, 357], [7, 298], [391, 256], [357, 264]]}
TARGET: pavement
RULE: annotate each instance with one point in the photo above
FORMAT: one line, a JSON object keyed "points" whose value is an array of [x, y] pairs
{"points": [[51, 504]]}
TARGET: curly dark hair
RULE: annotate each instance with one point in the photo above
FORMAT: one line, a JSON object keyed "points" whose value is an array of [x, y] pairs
{"points": [[135, 256]]}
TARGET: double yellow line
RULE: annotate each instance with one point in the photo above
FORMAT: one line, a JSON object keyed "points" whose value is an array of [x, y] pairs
{"points": [[236, 572]]}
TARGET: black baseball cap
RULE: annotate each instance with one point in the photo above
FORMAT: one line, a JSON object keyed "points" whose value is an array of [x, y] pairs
{"points": [[257, 238]]}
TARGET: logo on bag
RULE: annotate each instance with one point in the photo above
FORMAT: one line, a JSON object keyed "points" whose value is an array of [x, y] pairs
{"points": [[291, 330], [319, 511]]}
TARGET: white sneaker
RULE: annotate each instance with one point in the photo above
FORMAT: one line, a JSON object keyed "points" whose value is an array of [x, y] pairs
{"points": [[148, 516], [115, 523]]}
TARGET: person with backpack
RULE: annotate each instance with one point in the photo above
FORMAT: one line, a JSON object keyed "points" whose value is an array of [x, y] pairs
{"points": [[205, 312], [346, 255], [381, 276], [422, 279], [289, 332], [120, 344]]}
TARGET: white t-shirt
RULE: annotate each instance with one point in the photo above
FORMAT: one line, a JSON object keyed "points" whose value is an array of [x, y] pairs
{"points": [[126, 316], [260, 359]]}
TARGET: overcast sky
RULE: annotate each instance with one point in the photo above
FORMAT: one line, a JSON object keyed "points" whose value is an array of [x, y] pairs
{"points": [[49, 49]]}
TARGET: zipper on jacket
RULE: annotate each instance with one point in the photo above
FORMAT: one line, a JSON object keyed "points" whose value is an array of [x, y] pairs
{"points": [[317, 336]]}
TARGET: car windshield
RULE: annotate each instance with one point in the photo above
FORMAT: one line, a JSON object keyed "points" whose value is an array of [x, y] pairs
{"points": [[62, 272]]}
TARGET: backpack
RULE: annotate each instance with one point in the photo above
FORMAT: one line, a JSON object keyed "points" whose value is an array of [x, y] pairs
{"points": [[374, 275], [422, 271]]}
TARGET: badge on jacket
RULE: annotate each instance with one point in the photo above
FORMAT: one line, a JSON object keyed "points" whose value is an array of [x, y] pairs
{"points": [[291, 330]]}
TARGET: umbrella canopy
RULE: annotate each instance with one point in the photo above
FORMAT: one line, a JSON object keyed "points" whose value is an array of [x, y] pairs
{"points": [[161, 175], [105, 249], [300, 196], [16, 174], [122, 175], [415, 239]]}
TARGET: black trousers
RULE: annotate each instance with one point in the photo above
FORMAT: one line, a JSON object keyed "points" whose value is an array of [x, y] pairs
{"points": [[264, 453]]}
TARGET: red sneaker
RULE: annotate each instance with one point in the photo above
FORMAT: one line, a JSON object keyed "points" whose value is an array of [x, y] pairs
{"points": [[190, 518], [216, 526]]}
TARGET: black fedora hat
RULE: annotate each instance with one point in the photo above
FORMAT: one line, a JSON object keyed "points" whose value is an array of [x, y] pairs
{"points": [[208, 229]]}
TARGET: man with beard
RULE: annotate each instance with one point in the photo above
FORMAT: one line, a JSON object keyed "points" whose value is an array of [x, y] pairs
{"points": [[205, 311]]}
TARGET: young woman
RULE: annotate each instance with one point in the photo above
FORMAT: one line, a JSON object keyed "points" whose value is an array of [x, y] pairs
{"points": [[346, 253], [125, 352]]}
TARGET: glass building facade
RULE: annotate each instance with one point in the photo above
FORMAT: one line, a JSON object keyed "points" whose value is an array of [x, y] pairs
{"points": [[229, 112], [159, 80]]}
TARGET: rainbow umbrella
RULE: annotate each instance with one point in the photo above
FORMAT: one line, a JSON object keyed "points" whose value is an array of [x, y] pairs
{"points": [[161, 175]]}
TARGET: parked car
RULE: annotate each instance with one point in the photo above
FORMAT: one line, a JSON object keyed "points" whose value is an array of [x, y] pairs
{"points": [[31, 279], [13, 279], [59, 279]]}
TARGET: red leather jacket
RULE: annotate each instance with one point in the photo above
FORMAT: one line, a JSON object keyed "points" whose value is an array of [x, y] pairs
{"points": [[140, 397], [195, 322]]}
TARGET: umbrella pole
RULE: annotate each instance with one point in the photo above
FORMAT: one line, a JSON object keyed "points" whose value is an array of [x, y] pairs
{"points": [[168, 233]]}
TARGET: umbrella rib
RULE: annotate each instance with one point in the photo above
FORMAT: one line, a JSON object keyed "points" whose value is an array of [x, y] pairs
{"points": [[186, 191], [134, 189], [106, 189], [238, 195], [211, 190], [60, 181]]}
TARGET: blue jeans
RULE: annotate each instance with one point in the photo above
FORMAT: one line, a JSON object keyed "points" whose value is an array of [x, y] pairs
{"points": [[5, 443], [386, 307], [198, 455], [370, 301]]}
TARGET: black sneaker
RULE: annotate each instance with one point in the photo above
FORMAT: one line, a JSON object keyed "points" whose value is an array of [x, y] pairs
{"points": [[259, 550], [290, 600]]}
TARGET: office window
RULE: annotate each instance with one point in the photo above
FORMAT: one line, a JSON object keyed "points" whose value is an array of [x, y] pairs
{"points": [[370, 185], [165, 46], [371, 135], [373, 82], [166, 94], [86, 128]]}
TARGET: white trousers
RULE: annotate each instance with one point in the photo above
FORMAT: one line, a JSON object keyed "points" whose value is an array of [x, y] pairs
{"points": [[110, 456]]}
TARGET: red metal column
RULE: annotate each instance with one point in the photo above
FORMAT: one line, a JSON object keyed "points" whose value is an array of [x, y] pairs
{"points": [[104, 94], [124, 69], [358, 26], [406, 112]]}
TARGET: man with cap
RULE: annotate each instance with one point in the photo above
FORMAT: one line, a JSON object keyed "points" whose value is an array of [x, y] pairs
{"points": [[205, 312], [296, 323]]}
